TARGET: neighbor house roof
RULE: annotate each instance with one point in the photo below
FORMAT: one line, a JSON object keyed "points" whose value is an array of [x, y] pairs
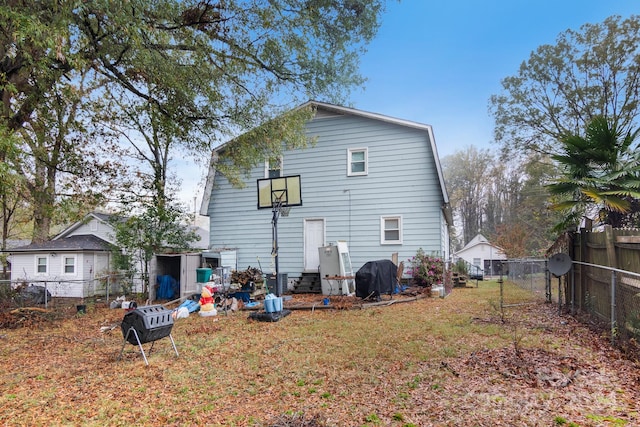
{"points": [[102, 217], [344, 111], [77, 243], [476, 241]]}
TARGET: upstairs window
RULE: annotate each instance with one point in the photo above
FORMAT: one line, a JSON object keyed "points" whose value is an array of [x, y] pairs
{"points": [[391, 230], [273, 168], [357, 162], [41, 265]]}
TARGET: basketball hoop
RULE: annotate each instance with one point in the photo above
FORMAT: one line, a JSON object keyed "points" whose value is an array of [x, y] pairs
{"points": [[281, 208], [278, 194]]}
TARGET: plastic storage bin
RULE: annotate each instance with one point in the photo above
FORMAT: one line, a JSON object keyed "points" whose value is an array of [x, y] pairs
{"points": [[203, 275]]}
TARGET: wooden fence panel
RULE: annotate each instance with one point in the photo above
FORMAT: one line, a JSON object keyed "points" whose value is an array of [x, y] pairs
{"points": [[620, 250]]}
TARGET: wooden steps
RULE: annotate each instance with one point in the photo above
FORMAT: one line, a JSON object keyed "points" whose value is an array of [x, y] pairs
{"points": [[309, 283]]}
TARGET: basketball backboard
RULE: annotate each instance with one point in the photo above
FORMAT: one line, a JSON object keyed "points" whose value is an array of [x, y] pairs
{"points": [[284, 190]]}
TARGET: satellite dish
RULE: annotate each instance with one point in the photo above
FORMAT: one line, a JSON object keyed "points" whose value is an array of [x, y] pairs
{"points": [[559, 264]]}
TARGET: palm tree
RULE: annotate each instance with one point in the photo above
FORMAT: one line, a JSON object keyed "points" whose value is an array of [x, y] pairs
{"points": [[600, 177]]}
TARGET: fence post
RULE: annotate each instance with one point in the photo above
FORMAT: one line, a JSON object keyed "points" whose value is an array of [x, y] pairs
{"points": [[547, 281], [613, 307], [583, 269], [502, 298], [573, 290], [611, 247], [560, 294]]}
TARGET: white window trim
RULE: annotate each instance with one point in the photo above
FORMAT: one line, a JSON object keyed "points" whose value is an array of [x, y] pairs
{"points": [[350, 152], [39, 273], [383, 219], [266, 167], [75, 265]]}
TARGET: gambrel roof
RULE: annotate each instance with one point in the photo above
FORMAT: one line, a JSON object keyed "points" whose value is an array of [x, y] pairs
{"points": [[339, 110]]}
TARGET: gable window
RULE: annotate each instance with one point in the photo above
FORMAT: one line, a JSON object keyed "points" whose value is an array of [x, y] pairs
{"points": [[273, 168], [391, 230], [357, 162], [69, 265], [41, 264]]}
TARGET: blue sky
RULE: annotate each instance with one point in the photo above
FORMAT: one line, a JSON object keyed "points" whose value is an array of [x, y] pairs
{"points": [[438, 62]]}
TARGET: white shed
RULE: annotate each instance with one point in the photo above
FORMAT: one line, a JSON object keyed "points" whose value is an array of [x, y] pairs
{"points": [[73, 264], [481, 254]]}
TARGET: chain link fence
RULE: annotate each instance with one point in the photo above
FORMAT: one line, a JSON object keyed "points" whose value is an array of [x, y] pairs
{"points": [[48, 293], [611, 296], [527, 281], [595, 293]]}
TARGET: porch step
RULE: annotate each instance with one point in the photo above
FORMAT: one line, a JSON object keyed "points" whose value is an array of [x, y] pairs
{"points": [[459, 280], [309, 283]]}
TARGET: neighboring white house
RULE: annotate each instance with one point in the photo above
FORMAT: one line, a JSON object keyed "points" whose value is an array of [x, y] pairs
{"points": [[370, 180], [75, 262], [481, 254], [70, 264]]}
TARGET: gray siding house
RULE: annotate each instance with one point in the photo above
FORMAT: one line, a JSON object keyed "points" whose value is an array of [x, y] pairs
{"points": [[370, 180]]}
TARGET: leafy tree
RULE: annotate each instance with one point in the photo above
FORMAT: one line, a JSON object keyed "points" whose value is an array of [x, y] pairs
{"points": [[12, 200], [503, 194], [200, 71], [155, 230], [508, 197], [63, 177], [467, 176], [513, 238], [215, 69], [525, 227], [600, 176], [562, 87], [34, 55]]}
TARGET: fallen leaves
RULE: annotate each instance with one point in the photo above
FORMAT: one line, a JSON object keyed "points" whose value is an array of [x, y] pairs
{"points": [[428, 362]]}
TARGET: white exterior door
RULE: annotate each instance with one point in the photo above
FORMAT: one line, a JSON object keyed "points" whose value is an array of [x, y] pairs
{"points": [[313, 239]]}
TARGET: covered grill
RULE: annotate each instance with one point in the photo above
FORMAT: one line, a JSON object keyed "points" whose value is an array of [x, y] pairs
{"points": [[375, 278], [147, 324]]}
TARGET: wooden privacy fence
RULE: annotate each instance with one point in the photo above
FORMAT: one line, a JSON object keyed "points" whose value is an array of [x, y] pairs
{"points": [[605, 278]]}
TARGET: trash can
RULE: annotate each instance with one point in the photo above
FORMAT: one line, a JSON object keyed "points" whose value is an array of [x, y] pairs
{"points": [[203, 275]]}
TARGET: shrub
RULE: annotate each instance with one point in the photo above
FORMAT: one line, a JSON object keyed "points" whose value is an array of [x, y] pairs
{"points": [[426, 270]]}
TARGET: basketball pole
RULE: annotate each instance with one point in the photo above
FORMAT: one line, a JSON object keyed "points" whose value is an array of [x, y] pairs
{"points": [[274, 236], [278, 194]]}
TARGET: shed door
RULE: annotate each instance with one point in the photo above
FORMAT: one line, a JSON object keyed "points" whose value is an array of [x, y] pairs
{"points": [[313, 239], [188, 277]]}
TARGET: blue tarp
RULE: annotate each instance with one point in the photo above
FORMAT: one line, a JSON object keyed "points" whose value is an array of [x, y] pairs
{"points": [[243, 296], [168, 287], [190, 305]]}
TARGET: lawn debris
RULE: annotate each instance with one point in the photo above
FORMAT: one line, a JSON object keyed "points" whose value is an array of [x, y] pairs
{"points": [[25, 317]]}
